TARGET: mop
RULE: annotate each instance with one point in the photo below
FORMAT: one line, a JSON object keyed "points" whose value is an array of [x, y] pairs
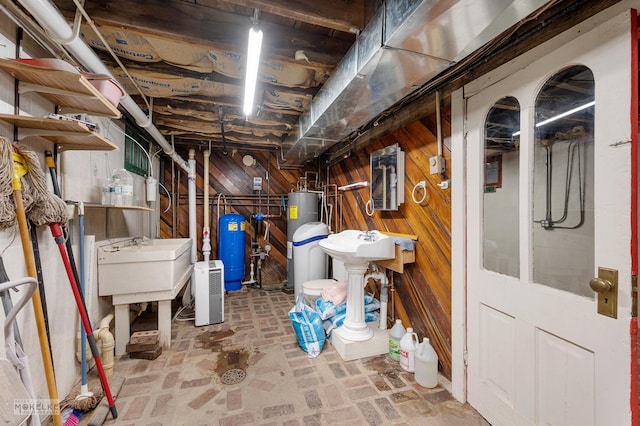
{"points": [[85, 400], [15, 164]]}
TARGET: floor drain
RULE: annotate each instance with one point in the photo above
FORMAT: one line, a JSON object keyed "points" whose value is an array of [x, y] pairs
{"points": [[233, 376]]}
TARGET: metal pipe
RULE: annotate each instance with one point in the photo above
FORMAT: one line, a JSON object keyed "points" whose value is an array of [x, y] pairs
{"points": [[438, 124], [192, 204], [48, 16]]}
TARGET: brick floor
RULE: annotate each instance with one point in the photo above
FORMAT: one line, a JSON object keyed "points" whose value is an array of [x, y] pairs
{"points": [[282, 385]]}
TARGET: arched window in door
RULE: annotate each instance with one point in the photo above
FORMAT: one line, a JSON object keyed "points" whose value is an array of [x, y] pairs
{"points": [[563, 233], [501, 240]]}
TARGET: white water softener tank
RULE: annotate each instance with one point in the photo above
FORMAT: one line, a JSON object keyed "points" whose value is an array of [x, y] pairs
{"points": [[309, 260], [302, 207]]}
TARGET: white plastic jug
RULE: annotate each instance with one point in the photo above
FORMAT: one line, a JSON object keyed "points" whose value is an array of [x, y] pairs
{"points": [[426, 365], [408, 347], [395, 334]]}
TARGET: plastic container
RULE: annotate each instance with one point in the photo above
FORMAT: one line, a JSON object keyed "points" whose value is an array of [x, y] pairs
{"points": [[309, 259], [426, 373], [109, 89], [105, 194], [395, 334], [123, 188], [408, 347]]}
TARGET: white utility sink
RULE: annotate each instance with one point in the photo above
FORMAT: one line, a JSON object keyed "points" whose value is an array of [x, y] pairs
{"points": [[142, 265], [361, 247], [143, 270]]}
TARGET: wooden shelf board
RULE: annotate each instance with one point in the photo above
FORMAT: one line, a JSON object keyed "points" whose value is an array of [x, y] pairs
{"points": [[71, 135], [106, 206], [81, 94]]}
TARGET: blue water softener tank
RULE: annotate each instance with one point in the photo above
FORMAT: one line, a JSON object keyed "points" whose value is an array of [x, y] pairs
{"points": [[231, 232]]}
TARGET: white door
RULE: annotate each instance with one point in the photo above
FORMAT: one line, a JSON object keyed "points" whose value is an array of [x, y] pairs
{"points": [[549, 201]]}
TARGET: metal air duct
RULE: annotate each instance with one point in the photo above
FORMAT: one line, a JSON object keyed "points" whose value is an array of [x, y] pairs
{"points": [[404, 46]]}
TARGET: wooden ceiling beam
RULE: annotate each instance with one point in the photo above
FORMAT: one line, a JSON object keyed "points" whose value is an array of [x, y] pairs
{"points": [[193, 22], [340, 15]]}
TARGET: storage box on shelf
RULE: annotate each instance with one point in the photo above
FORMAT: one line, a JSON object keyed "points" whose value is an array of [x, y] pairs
{"points": [[71, 92]]}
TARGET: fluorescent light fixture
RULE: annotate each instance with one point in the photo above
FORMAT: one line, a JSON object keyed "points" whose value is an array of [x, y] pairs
{"points": [[562, 115], [253, 61]]}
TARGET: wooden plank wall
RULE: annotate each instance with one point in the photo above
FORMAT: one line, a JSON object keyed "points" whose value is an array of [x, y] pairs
{"points": [[422, 296], [230, 177]]}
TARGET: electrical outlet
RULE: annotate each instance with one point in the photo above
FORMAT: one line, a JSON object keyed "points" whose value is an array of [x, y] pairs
{"points": [[436, 164]]}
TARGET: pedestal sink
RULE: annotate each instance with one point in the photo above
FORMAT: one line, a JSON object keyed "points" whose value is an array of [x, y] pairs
{"points": [[356, 249]]}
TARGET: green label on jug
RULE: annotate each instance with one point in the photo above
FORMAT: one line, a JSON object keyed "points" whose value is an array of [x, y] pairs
{"points": [[394, 349]]}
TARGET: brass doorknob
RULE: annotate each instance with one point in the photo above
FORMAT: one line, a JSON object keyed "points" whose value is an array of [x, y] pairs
{"points": [[600, 285]]}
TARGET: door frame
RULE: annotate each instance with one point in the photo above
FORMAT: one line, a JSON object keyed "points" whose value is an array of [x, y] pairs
{"points": [[459, 193]]}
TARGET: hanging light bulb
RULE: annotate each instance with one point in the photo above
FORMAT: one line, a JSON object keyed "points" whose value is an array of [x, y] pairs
{"points": [[253, 61]]}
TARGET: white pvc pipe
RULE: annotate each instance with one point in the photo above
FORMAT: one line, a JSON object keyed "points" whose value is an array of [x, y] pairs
{"points": [[48, 16], [206, 230], [192, 205], [384, 283]]}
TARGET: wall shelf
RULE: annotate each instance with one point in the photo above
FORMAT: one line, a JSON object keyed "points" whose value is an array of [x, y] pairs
{"points": [[108, 206], [69, 134], [69, 90]]}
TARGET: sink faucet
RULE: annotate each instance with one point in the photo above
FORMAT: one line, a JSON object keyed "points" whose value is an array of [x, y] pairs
{"points": [[367, 236], [140, 241]]}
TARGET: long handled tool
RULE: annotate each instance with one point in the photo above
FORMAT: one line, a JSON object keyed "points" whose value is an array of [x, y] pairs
{"points": [[33, 231], [56, 231], [19, 170], [85, 400], [51, 164]]}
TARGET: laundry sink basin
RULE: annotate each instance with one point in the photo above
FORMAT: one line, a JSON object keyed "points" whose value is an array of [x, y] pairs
{"points": [[358, 247], [143, 265]]}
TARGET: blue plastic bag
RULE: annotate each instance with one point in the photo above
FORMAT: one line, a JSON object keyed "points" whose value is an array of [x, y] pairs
{"points": [[328, 310], [307, 324]]}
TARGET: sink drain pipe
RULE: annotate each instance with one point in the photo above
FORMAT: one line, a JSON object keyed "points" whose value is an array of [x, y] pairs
{"points": [[107, 344], [56, 26], [384, 297]]}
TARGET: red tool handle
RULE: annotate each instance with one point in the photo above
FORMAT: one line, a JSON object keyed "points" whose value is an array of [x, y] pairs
{"points": [[56, 231]]}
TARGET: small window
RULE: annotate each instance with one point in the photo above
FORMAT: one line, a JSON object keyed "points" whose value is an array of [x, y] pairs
{"points": [[562, 199], [136, 150], [501, 239]]}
